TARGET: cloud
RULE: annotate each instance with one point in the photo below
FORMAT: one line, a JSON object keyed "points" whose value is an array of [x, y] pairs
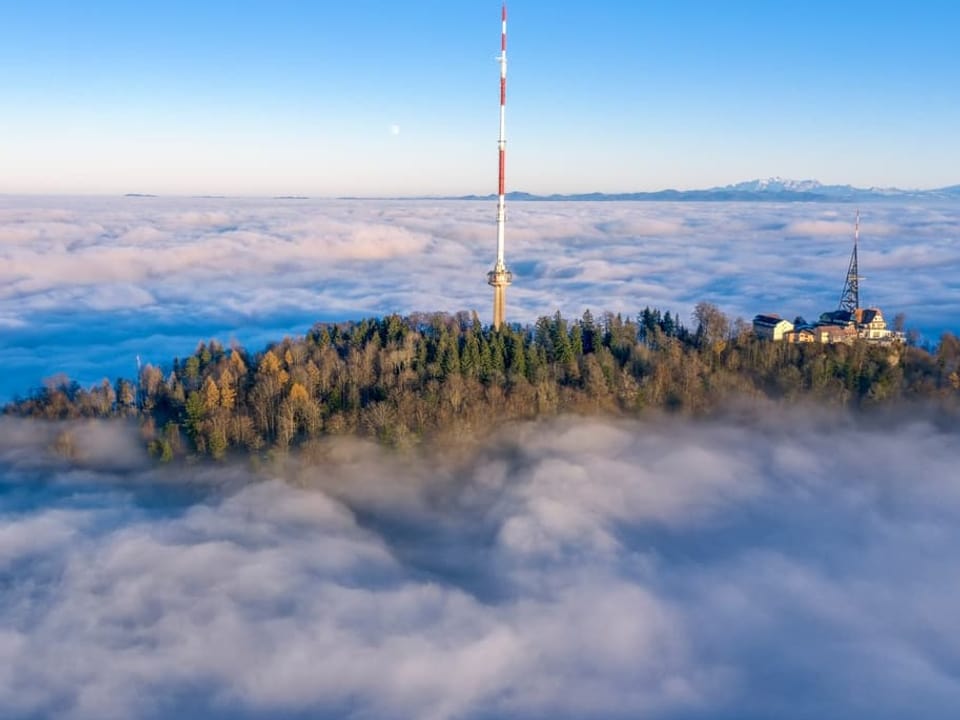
{"points": [[833, 225], [158, 274], [788, 567]]}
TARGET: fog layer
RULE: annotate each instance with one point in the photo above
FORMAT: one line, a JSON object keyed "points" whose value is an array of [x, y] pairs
{"points": [[87, 284], [800, 568]]}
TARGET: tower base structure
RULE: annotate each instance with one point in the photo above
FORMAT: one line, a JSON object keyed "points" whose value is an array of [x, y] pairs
{"points": [[499, 278]]}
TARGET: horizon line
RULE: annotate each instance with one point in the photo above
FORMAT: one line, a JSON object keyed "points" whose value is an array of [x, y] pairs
{"points": [[475, 195]]}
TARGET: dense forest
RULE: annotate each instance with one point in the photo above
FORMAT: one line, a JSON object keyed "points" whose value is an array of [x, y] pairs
{"points": [[403, 379]]}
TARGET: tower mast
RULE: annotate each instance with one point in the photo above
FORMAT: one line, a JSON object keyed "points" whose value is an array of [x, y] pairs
{"points": [[850, 297], [500, 277]]}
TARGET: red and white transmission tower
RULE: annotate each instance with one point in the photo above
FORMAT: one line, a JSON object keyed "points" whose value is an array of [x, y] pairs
{"points": [[500, 277]]}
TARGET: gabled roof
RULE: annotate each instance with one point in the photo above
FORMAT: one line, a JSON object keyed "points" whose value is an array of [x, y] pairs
{"points": [[866, 316], [769, 320], [836, 317]]}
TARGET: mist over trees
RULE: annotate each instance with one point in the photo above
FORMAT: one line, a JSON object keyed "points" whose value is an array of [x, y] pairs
{"points": [[401, 379]]}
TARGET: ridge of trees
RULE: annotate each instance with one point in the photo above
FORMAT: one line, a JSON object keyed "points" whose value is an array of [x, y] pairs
{"points": [[401, 379]]}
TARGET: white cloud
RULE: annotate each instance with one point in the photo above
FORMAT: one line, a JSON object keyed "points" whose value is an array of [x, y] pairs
{"points": [[567, 569], [202, 265]]}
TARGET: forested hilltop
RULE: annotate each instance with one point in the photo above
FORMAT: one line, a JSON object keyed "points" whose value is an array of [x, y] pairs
{"points": [[402, 379]]}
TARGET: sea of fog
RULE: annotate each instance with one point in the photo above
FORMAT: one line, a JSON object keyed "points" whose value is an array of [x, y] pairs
{"points": [[88, 284], [792, 566]]}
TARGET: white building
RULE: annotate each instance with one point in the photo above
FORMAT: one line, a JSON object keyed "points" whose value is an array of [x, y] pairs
{"points": [[871, 325], [771, 327]]}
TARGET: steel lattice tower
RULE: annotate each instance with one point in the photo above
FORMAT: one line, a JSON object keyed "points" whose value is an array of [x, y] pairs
{"points": [[850, 297]]}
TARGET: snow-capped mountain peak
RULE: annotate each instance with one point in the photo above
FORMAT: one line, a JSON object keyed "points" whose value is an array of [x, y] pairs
{"points": [[776, 184]]}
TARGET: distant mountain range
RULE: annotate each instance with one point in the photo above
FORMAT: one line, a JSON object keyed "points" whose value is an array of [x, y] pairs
{"points": [[775, 189]]}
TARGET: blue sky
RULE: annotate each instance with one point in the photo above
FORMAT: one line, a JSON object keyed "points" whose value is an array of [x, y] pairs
{"points": [[300, 97]]}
